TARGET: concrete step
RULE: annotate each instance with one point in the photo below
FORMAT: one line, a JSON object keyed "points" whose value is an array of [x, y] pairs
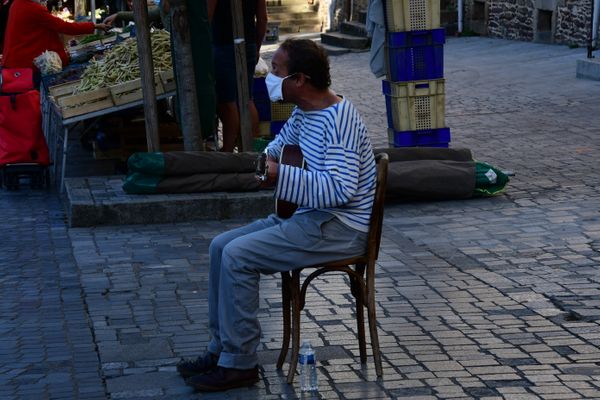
{"points": [[334, 50], [292, 16], [100, 200], [274, 3], [353, 28], [344, 40], [299, 28], [291, 9], [589, 68]]}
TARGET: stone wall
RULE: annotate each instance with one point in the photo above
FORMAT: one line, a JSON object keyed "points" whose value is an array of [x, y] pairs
{"points": [[557, 21], [511, 19], [573, 22]]}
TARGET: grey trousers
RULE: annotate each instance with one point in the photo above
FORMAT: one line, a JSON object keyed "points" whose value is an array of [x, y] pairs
{"points": [[267, 246]]}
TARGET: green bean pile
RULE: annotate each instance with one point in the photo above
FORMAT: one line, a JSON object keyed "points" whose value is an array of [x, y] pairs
{"points": [[121, 63]]}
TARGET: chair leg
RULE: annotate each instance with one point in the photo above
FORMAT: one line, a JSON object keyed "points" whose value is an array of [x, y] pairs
{"points": [[285, 297], [360, 318], [295, 294], [373, 331]]}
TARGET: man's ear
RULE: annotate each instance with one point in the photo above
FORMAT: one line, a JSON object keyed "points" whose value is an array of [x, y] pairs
{"points": [[301, 79]]}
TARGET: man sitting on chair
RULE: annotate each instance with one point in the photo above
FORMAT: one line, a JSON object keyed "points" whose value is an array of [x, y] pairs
{"points": [[334, 194]]}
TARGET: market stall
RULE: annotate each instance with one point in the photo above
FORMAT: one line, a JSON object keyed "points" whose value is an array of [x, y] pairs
{"points": [[108, 83]]}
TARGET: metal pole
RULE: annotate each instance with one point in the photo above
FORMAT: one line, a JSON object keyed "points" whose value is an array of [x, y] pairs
{"points": [[63, 168], [93, 7], [595, 21], [590, 46], [460, 16]]}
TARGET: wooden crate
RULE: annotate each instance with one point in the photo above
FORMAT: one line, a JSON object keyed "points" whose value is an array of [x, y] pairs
{"points": [[85, 103], [131, 91], [64, 89], [168, 80]]}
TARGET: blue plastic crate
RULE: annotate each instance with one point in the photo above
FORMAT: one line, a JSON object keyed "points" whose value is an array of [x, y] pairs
{"points": [[415, 55], [264, 109], [276, 127], [259, 89], [260, 95], [425, 138]]}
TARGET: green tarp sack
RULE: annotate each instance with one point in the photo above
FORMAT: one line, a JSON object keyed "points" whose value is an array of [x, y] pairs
{"points": [[431, 173], [488, 180], [137, 183], [191, 172], [191, 162]]}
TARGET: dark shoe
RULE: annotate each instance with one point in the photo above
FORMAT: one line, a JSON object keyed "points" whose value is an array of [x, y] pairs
{"points": [[201, 365], [224, 379]]}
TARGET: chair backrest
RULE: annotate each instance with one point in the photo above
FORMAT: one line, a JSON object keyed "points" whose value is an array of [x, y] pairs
{"points": [[376, 222]]}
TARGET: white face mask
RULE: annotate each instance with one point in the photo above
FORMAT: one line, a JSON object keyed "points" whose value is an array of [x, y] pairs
{"points": [[275, 86]]}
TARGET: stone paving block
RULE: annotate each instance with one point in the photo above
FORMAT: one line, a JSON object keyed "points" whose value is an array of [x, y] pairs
{"points": [[146, 381], [154, 349]]}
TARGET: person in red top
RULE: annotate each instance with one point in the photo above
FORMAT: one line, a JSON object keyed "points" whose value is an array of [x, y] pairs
{"points": [[31, 30], [4, 7]]}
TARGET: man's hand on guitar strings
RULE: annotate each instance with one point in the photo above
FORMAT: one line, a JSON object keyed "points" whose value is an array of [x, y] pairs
{"points": [[269, 178], [261, 167], [266, 170], [272, 167]]}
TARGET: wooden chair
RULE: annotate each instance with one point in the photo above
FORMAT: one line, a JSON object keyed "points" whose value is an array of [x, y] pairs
{"points": [[362, 282]]}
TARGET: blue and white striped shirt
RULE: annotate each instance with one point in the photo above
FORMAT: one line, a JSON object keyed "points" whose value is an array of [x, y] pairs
{"points": [[340, 172]]}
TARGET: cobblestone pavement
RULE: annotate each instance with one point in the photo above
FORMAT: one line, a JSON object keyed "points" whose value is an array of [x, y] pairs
{"points": [[492, 298]]}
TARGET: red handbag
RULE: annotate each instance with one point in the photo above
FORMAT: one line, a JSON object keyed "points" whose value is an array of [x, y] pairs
{"points": [[21, 137], [16, 80]]}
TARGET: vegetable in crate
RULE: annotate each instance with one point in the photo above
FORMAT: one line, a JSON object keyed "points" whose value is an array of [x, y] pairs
{"points": [[95, 37], [120, 64]]}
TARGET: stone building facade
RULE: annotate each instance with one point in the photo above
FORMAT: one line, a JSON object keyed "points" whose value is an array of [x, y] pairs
{"points": [[550, 21]]}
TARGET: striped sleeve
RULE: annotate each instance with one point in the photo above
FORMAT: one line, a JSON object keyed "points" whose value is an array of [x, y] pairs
{"points": [[333, 187]]}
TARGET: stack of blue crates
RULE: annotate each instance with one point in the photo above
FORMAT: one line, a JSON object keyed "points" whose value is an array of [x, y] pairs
{"points": [[414, 89]]}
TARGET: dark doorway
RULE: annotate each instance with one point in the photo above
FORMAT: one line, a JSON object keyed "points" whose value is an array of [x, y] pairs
{"points": [[479, 17], [544, 26]]}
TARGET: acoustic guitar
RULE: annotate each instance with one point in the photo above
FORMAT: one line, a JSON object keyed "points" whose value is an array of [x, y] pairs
{"points": [[290, 155]]}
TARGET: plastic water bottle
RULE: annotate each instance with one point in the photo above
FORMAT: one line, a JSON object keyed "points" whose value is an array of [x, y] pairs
{"points": [[308, 369]]}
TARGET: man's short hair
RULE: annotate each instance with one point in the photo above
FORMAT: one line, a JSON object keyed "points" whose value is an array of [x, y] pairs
{"points": [[307, 57]]}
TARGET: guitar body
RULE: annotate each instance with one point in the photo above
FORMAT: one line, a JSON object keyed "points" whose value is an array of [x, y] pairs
{"points": [[290, 155]]}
